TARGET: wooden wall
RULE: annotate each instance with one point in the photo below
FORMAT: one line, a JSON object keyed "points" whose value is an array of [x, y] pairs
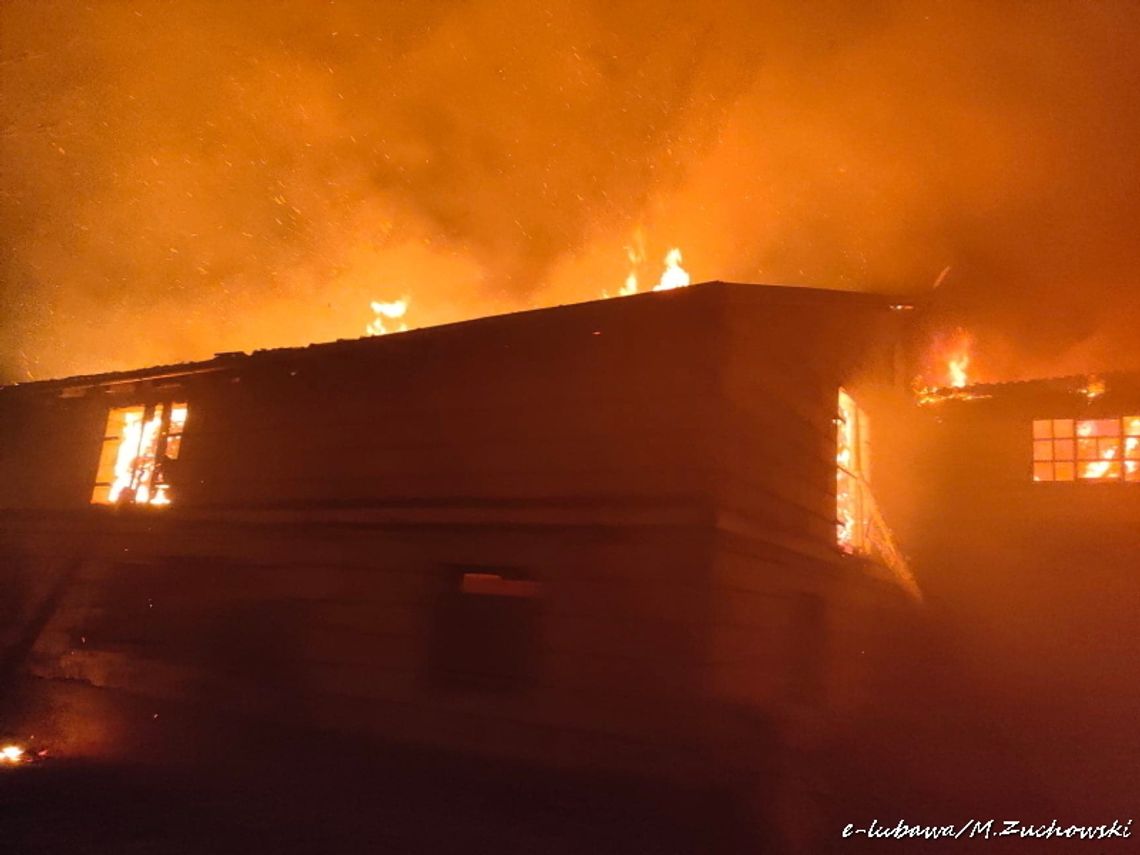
{"points": [[331, 626]]}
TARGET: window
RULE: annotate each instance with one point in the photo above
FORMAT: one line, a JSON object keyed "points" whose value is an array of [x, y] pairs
{"points": [[1101, 450], [852, 497], [140, 449], [486, 628]]}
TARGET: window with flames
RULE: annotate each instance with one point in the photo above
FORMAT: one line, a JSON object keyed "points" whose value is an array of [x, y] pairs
{"points": [[852, 496], [140, 452], [1097, 450]]}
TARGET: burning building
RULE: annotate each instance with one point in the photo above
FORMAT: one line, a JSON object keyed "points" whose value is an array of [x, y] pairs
{"points": [[1025, 520], [621, 533]]}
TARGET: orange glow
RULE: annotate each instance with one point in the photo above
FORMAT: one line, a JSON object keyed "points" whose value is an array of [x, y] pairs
{"points": [[11, 754]]}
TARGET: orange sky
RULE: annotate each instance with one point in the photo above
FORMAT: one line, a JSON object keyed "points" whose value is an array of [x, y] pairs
{"points": [[180, 178]]}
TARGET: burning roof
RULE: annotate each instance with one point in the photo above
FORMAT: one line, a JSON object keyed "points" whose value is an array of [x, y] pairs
{"points": [[775, 295], [1086, 390]]}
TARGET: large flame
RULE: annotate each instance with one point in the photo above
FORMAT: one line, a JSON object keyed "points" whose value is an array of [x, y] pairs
{"points": [[390, 311], [674, 276], [958, 361], [949, 369], [1109, 448]]}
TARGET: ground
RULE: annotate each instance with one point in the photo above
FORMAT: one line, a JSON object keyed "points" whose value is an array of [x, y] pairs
{"points": [[318, 799]]}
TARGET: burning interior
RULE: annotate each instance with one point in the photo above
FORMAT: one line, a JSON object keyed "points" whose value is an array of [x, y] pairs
{"points": [[139, 454], [852, 491], [1100, 449]]}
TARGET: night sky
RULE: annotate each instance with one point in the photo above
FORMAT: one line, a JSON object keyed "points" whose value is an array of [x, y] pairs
{"points": [[180, 178]]}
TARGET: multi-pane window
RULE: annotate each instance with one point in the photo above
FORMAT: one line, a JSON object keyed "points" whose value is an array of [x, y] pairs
{"points": [[140, 449], [852, 497], [1087, 449]]}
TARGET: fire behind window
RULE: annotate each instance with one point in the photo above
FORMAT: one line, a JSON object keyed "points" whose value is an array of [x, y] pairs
{"points": [[140, 450], [1101, 450], [852, 498]]}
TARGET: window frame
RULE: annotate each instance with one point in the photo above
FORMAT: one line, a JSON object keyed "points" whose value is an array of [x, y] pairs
{"points": [[1121, 447], [156, 483]]}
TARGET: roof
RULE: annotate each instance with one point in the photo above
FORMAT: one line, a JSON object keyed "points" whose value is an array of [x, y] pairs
{"points": [[1094, 388], [784, 295]]}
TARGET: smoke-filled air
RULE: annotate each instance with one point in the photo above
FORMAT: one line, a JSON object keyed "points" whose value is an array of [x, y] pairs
{"points": [[183, 178]]}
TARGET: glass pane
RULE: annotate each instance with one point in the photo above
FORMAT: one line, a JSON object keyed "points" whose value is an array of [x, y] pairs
{"points": [[105, 474], [178, 413], [173, 444], [1043, 449], [119, 418], [1043, 429], [1132, 425], [1101, 470], [1063, 449], [1064, 471], [1132, 471], [1132, 448], [1062, 428], [1086, 449], [1108, 449], [1098, 427], [1042, 471]]}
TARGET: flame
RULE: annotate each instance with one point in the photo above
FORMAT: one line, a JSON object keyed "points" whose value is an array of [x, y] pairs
{"points": [[674, 276], [143, 457], [11, 754], [1094, 387], [958, 362], [636, 255], [135, 461], [1095, 470], [958, 370], [955, 358], [848, 493], [391, 311]]}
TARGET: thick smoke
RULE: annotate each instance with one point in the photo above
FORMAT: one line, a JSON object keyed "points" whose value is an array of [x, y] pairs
{"points": [[187, 177]]}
